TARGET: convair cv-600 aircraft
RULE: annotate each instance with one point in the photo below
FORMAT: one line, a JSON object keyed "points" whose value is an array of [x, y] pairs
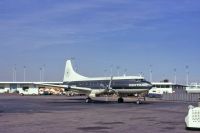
{"points": [[96, 86]]}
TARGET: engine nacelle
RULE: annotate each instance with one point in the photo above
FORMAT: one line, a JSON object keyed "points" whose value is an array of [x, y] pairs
{"points": [[92, 95]]}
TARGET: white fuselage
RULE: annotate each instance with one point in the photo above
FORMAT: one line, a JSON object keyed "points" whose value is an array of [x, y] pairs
{"points": [[120, 85]]}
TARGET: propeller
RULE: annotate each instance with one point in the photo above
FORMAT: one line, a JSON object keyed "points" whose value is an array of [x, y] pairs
{"points": [[109, 88]]}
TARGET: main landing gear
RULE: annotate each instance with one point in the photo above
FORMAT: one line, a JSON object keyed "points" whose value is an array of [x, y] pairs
{"points": [[88, 100], [139, 101], [120, 100]]}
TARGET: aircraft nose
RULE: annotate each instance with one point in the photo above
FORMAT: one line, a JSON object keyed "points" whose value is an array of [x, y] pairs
{"points": [[149, 85]]}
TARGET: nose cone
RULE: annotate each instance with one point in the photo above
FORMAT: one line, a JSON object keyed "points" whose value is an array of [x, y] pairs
{"points": [[149, 85]]}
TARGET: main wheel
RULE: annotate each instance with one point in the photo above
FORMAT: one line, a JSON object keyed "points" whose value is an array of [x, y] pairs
{"points": [[120, 100], [138, 102], [88, 100]]}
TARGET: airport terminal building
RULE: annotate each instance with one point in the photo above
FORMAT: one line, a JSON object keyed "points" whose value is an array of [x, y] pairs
{"points": [[28, 88]]}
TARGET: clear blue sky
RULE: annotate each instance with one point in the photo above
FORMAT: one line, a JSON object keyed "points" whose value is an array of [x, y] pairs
{"points": [[131, 34]]}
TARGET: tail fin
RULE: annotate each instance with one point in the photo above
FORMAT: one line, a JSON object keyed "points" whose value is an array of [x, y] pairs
{"points": [[70, 74]]}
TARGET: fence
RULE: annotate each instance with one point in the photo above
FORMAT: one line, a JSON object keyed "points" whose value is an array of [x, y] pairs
{"points": [[189, 97]]}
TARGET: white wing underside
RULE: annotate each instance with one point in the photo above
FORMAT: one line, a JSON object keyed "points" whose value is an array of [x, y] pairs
{"points": [[70, 88]]}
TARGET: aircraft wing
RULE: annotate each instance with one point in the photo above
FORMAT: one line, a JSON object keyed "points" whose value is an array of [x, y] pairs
{"points": [[80, 89], [69, 88], [52, 85]]}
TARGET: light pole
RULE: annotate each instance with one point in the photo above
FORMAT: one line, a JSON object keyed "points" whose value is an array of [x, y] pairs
{"points": [[105, 72], [14, 73], [24, 73], [174, 75], [40, 74], [43, 73], [118, 70], [164, 77], [187, 74], [141, 74], [111, 70], [125, 71], [150, 73]]}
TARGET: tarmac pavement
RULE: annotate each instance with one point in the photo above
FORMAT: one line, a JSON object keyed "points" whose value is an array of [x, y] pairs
{"points": [[62, 114]]}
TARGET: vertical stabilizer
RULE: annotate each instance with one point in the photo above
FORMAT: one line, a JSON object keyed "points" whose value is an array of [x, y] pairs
{"points": [[70, 74]]}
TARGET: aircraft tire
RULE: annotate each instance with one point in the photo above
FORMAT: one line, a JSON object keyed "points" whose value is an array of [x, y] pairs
{"points": [[88, 100], [120, 100], [138, 102]]}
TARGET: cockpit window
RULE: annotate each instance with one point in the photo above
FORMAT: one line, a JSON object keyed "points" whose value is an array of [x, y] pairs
{"points": [[139, 80]]}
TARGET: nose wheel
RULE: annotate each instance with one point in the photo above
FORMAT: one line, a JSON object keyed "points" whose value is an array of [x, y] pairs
{"points": [[120, 100]]}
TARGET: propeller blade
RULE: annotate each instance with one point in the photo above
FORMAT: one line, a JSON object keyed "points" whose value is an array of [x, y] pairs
{"points": [[110, 83]]}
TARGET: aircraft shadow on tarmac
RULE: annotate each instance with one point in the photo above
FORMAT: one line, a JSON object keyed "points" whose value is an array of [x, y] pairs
{"points": [[82, 100]]}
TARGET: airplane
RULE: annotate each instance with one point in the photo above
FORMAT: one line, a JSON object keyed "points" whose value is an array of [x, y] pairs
{"points": [[96, 86]]}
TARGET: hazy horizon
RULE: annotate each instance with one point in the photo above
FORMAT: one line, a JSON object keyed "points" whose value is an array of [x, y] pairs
{"points": [[131, 37]]}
